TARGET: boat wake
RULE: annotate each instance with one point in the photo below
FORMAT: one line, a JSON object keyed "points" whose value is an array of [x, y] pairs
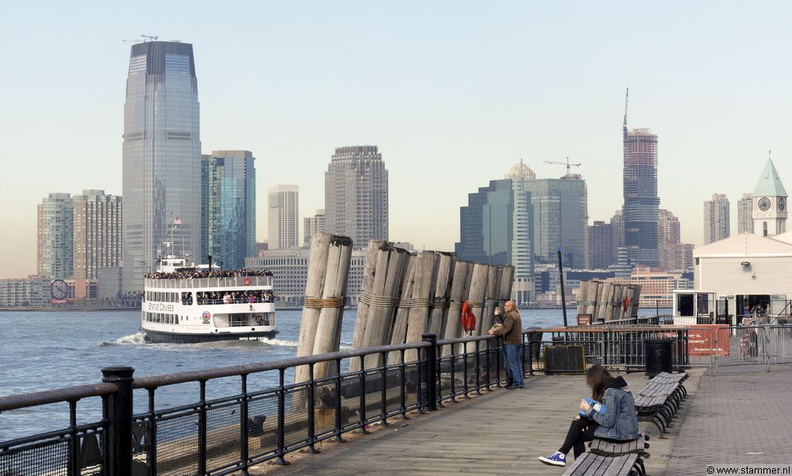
{"points": [[279, 342], [136, 338]]}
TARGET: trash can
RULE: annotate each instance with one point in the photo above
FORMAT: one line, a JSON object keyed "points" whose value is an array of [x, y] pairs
{"points": [[658, 356]]}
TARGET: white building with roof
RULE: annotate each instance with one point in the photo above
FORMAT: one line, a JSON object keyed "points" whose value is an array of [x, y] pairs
{"points": [[751, 271]]}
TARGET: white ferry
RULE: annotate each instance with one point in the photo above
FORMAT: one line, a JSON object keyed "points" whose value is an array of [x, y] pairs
{"points": [[185, 303]]}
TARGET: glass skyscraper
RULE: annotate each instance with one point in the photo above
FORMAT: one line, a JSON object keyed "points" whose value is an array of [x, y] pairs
{"points": [[560, 214], [490, 224], [55, 237], [228, 200], [161, 158]]}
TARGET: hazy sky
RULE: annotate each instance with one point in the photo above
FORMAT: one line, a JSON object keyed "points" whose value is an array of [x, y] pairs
{"points": [[452, 92]]}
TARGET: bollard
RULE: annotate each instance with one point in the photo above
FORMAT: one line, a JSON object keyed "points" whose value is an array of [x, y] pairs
{"points": [[119, 414], [431, 370]]}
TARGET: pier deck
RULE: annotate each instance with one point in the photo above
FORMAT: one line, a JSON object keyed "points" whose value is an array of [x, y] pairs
{"points": [[723, 421]]}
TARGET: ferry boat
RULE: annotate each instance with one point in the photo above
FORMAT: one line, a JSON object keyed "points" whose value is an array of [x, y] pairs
{"points": [[188, 303]]}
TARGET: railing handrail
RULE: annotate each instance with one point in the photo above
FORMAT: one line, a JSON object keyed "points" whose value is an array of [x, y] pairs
{"points": [[13, 402]]}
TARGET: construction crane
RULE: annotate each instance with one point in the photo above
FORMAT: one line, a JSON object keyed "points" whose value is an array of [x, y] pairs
{"points": [[568, 167]]}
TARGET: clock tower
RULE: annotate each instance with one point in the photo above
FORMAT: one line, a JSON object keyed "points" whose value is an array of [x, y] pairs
{"points": [[769, 203]]}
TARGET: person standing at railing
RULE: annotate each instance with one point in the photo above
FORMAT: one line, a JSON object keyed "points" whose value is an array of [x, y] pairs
{"points": [[512, 338]]}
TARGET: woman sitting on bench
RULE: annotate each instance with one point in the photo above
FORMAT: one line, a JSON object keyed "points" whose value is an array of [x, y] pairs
{"points": [[614, 419]]}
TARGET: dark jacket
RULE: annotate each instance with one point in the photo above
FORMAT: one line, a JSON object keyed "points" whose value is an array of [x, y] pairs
{"points": [[512, 328], [617, 417]]}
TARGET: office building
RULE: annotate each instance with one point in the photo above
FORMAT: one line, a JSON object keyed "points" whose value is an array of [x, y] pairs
{"points": [[283, 217], [290, 273], [602, 246], [745, 214], [716, 218], [641, 202], [560, 219], [228, 203], [55, 237], [356, 195], [98, 219], [496, 228], [314, 225], [161, 158]]}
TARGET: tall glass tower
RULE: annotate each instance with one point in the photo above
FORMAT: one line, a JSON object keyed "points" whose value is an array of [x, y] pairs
{"points": [[228, 200], [55, 243], [641, 202], [161, 158]]}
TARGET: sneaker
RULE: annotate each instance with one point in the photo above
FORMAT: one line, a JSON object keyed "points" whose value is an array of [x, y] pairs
{"points": [[511, 387], [556, 459]]}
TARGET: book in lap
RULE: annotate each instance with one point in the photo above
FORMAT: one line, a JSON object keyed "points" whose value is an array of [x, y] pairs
{"points": [[595, 405]]}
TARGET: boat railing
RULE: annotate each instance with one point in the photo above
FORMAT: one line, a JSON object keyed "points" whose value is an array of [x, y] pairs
{"points": [[240, 282]]}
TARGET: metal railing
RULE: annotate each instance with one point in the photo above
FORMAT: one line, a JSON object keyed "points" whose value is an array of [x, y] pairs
{"points": [[619, 347], [258, 422]]}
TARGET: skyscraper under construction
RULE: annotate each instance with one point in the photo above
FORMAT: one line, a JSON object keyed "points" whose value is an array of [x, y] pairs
{"points": [[641, 202]]}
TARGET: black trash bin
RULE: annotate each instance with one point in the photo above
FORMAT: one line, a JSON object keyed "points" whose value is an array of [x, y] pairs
{"points": [[658, 355]]}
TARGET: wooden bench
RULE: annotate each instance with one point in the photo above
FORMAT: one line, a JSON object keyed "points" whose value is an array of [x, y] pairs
{"points": [[660, 399], [590, 463], [612, 458]]}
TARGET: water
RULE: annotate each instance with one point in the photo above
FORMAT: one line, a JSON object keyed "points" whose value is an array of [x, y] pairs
{"points": [[50, 350]]}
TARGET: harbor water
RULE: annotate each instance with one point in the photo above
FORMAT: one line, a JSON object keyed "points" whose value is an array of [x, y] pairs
{"points": [[50, 350]]}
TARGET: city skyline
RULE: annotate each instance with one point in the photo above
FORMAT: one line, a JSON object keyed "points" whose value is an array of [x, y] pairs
{"points": [[452, 96]]}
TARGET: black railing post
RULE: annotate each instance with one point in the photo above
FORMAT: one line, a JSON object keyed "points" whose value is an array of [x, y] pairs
{"points": [[202, 428], [281, 418], [118, 462], [384, 390], [431, 370], [74, 441], [362, 409], [245, 430], [339, 424], [312, 410]]}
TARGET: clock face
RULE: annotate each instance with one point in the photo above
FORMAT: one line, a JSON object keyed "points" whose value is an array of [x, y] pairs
{"points": [[59, 289], [764, 204], [781, 204]]}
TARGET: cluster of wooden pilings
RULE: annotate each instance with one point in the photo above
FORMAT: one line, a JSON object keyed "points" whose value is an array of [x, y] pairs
{"points": [[403, 296], [606, 301]]}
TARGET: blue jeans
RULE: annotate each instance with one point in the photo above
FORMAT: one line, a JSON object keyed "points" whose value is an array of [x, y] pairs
{"points": [[513, 364]]}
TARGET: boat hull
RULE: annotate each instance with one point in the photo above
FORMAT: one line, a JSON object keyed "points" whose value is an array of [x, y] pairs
{"points": [[185, 338]]}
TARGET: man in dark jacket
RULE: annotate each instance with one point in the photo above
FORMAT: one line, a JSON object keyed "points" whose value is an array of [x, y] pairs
{"points": [[512, 338]]}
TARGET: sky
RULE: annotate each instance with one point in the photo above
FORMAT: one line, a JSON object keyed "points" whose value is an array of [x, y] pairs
{"points": [[452, 92]]}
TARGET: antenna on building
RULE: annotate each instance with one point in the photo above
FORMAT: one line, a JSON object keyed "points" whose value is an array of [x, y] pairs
{"points": [[568, 167], [624, 124]]}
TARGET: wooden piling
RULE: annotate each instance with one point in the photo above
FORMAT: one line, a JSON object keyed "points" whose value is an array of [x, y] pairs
{"points": [[478, 289], [418, 315], [317, 269], [364, 306], [383, 299], [442, 294], [459, 290], [328, 332], [491, 295]]}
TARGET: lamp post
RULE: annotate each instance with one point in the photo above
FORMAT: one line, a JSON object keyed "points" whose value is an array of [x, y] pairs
{"points": [[563, 294]]}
